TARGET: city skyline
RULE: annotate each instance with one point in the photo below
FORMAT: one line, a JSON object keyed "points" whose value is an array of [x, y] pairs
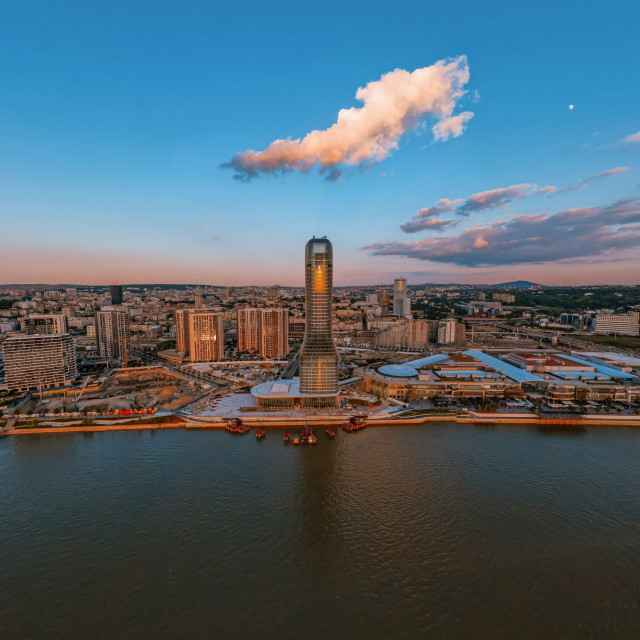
{"points": [[461, 148]]}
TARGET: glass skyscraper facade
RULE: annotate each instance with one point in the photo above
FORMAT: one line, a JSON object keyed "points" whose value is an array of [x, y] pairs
{"points": [[318, 356]]}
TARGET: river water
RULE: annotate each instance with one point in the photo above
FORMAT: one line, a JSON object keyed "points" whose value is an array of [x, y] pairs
{"points": [[438, 531]]}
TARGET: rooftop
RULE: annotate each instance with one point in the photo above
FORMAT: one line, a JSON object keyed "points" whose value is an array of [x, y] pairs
{"points": [[285, 389], [398, 370]]}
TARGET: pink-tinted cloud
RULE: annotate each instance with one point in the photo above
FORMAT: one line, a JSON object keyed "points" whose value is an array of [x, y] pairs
{"points": [[494, 199], [634, 138], [499, 198], [582, 182], [605, 174], [575, 233], [429, 224], [451, 127], [393, 105]]}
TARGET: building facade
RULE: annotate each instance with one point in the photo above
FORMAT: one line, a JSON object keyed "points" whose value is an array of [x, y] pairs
{"points": [[199, 335], [248, 329], [623, 323], [46, 324], [399, 296], [113, 338], [39, 361], [116, 294], [274, 333], [318, 355]]}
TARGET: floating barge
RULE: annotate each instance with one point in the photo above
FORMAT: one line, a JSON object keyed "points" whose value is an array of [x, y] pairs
{"points": [[356, 423], [235, 426]]}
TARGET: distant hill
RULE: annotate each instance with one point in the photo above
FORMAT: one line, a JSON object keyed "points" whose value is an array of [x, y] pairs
{"points": [[517, 284]]}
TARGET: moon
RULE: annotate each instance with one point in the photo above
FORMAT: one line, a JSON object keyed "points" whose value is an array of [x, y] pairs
{"points": [[571, 107]]}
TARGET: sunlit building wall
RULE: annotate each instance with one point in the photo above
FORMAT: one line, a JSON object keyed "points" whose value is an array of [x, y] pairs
{"points": [[206, 336], [318, 356]]}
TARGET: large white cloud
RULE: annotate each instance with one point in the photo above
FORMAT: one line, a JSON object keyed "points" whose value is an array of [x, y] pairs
{"points": [[393, 105]]}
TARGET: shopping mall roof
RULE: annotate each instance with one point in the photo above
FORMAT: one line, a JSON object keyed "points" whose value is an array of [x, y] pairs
{"points": [[609, 371], [423, 362], [462, 373], [398, 370], [578, 375], [519, 375]]}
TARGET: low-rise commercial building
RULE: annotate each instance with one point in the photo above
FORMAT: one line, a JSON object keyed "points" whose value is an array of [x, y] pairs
{"points": [[621, 323]]}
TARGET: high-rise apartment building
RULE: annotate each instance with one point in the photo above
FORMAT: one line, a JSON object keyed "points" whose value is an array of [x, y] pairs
{"points": [[116, 294], [182, 331], [248, 329], [39, 361], [274, 333], [46, 324], [384, 300], [265, 331], [447, 331], [200, 335], [399, 296], [112, 333], [318, 355]]}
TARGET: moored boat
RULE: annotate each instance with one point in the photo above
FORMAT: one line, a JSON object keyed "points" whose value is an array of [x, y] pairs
{"points": [[355, 423], [235, 426], [261, 433], [331, 431], [287, 436]]}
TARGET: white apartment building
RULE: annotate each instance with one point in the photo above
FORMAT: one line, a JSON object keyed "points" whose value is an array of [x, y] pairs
{"points": [[39, 361], [622, 323], [447, 331]]}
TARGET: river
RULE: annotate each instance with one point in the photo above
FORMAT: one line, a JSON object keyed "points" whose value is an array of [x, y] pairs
{"points": [[438, 531]]}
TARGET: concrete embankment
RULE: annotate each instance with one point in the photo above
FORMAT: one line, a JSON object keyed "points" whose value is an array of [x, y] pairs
{"points": [[92, 428], [384, 420]]}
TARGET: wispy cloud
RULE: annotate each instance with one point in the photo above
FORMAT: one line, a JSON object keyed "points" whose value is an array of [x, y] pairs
{"points": [[583, 182], [493, 199], [429, 224], [393, 105], [605, 174], [574, 233], [631, 139], [451, 127]]}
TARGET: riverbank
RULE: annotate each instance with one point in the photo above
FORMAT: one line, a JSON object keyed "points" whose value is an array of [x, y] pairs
{"points": [[274, 422]]}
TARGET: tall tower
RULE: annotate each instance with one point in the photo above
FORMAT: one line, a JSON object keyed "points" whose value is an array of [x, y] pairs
{"points": [[116, 294], [399, 295], [384, 300], [318, 356]]}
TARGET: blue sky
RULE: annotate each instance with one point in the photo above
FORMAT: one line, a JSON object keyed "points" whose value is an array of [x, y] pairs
{"points": [[116, 117]]}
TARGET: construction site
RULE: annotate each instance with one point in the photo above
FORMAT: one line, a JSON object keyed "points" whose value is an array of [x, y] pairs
{"points": [[153, 388]]}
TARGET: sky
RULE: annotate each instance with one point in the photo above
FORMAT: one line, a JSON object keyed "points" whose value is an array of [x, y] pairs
{"points": [[206, 142]]}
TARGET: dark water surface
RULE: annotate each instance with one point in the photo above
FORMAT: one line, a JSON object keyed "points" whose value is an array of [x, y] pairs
{"points": [[440, 531]]}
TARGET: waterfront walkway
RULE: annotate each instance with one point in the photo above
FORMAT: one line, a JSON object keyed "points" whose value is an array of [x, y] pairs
{"points": [[200, 422]]}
